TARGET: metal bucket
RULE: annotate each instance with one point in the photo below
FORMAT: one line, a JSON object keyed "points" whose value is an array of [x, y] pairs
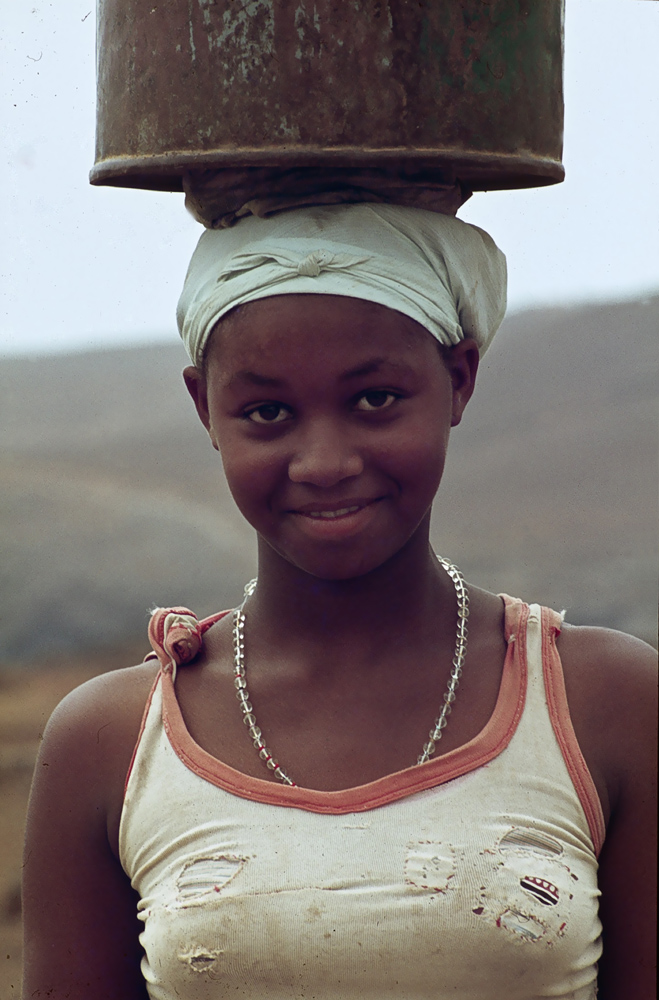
{"points": [[469, 91]]}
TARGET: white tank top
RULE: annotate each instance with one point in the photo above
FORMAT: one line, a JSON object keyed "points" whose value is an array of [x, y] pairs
{"points": [[470, 877]]}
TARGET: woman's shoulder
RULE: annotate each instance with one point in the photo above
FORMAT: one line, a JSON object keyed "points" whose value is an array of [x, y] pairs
{"points": [[114, 690], [90, 737], [611, 686], [103, 710], [615, 672]]}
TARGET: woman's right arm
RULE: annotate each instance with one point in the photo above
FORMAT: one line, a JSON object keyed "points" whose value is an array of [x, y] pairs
{"points": [[80, 910]]}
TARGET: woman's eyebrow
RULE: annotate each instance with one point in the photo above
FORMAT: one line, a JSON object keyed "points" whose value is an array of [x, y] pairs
{"points": [[369, 367]]}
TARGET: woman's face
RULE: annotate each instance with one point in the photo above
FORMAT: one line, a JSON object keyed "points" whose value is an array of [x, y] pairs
{"points": [[332, 417]]}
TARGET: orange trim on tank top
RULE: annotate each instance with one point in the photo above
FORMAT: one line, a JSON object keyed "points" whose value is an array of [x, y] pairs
{"points": [[488, 744], [561, 721]]}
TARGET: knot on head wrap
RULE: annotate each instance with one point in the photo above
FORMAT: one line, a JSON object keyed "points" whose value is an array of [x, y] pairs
{"points": [[447, 275], [291, 261], [320, 260]]}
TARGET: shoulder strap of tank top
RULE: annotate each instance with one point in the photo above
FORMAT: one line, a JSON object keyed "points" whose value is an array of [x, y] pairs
{"points": [[546, 625], [516, 612], [559, 714]]}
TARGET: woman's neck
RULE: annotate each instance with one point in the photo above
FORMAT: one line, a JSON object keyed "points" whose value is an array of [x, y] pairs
{"points": [[410, 593]]}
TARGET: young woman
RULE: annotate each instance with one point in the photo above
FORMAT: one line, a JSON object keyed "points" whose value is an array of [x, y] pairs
{"points": [[371, 779]]}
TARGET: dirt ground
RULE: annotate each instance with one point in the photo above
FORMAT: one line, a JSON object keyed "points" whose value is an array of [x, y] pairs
{"points": [[27, 697]]}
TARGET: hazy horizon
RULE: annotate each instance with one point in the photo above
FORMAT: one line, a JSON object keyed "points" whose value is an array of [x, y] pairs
{"points": [[161, 337]]}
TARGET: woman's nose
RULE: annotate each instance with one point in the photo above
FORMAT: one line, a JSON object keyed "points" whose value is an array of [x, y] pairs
{"points": [[324, 456]]}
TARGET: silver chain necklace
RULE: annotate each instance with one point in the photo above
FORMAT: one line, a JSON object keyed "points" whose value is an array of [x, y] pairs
{"points": [[435, 734]]}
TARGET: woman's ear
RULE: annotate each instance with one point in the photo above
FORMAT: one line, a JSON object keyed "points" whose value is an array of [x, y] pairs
{"points": [[462, 364], [195, 383]]}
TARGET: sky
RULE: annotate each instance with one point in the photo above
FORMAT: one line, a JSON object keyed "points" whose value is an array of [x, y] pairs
{"points": [[87, 268]]}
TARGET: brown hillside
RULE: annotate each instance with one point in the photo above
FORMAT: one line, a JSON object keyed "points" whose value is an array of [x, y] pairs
{"points": [[113, 499]]}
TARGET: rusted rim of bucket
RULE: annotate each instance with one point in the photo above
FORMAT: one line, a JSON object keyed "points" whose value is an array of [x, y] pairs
{"points": [[480, 171]]}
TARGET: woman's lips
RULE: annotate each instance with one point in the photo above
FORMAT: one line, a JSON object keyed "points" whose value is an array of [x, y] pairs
{"points": [[332, 511], [334, 522], [343, 521], [331, 514]]}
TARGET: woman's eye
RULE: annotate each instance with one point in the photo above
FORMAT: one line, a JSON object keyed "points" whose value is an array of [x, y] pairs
{"points": [[268, 413], [377, 399]]}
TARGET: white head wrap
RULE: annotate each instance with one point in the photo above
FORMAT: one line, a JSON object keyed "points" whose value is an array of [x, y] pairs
{"points": [[447, 275]]}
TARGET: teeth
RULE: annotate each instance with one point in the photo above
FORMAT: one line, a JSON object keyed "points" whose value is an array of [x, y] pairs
{"points": [[328, 514]]}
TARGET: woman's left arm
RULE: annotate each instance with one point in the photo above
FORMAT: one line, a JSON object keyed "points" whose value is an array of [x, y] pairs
{"points": [[616, 711]]}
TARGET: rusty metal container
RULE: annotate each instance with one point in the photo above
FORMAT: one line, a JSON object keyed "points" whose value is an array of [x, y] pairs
{"points": [[468, 90]]}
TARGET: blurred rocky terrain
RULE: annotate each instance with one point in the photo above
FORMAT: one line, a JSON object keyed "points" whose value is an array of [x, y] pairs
{"points": [[112, 499]]}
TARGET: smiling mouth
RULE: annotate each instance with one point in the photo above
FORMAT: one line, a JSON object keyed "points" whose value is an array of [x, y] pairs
{"points": [[329, 514], [332, 513]]}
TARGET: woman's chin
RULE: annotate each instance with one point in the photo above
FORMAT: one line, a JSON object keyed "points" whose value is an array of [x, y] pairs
{"points": [[331, 560]]}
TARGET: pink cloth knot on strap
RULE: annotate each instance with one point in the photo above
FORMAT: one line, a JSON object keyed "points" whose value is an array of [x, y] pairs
{"points": [[175, 635]]}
